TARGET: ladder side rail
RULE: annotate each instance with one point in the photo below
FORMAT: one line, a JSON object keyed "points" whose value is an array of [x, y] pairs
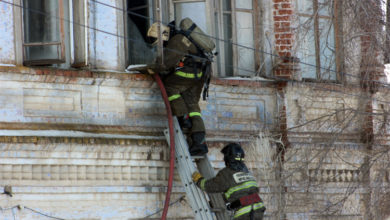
{"points": [[199, 195], [190, 189], [204, 166], [186, 167], [216, 199]]}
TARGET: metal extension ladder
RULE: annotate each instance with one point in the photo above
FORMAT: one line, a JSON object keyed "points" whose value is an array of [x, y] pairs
{"points": [[186, 166]]}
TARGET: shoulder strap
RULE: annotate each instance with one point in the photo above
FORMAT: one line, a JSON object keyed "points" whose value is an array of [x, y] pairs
{"points": [[188, 32], [207, 77]]}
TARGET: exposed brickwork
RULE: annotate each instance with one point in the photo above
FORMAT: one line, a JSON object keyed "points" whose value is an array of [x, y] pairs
{"points": [[371, 67], [282, 121], [368, 129], [284, 39]]}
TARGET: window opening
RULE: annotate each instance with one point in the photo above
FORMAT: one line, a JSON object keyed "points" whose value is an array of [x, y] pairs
{"points": [[43, 41], [235, 24], [139, 19], [316, 40]]}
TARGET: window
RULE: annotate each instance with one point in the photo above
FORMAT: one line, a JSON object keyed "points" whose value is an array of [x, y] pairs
{"points": [[43, 32], [236, 21], [47, 32], [316, 39], [141, 14], [236, 25], [194, 10]]}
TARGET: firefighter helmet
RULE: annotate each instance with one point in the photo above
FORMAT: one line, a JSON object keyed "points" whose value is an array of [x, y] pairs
{"points": [[233, 152], [153, 31]]}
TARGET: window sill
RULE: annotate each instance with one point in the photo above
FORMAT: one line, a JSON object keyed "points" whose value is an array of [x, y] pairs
{"points": [[77, 73], [321, 81], [241, 81]]}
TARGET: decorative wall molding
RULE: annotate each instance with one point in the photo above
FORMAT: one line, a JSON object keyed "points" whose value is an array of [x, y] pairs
{"points": [[335, 175]]}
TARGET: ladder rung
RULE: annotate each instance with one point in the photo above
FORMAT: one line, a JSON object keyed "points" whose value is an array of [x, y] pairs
{"points": [[186, 165], [197, 157], [217, 210]]}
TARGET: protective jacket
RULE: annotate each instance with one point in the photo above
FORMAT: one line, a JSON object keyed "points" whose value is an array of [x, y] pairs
{"points": [[184, 82], [239, 189]]}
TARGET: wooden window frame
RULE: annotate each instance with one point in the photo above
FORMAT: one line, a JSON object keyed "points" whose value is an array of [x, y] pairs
{"points": [[256, 13], [337, 38], [158, 14], [74, 47], [61, 42]]}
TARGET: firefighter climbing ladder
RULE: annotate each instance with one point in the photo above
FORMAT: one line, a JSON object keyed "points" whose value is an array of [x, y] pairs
{"points": [[186, 166]]}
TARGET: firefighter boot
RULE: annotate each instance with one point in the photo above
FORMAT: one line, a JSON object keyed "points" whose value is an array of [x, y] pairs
{"points": [[198, 147], [185, 123]]}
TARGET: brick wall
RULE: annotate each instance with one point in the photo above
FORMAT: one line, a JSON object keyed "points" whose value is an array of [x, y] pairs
{"points": [[284, 38]]}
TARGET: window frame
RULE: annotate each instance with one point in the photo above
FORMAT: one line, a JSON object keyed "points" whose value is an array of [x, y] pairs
{"points": [[218, 18], [336, 21], [61, 42], [79, 34], [71, 39], [211, 7], [153, 8]]}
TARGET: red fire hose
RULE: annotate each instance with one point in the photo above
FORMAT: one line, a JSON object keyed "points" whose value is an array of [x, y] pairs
{"points": [[172, 145]]}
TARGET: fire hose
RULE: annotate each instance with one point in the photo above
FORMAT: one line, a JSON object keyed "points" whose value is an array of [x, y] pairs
{"points": [[171, 143]]}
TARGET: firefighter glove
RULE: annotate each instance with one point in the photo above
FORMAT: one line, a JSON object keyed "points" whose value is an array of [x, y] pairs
{"points": [[155, 68], [151, 71], [196, 176]]}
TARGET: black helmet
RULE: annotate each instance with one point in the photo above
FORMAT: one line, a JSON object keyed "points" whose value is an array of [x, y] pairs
{"points": [[234, 157], [233, 152]]}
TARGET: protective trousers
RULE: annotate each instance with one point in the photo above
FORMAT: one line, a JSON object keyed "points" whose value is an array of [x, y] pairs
{"points": [[254, 215], [184, 94]]}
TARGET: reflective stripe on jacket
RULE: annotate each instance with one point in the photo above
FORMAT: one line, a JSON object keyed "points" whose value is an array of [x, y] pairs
{"points": [[234, 185], [243, 186], [247, 209], [189, 75]]}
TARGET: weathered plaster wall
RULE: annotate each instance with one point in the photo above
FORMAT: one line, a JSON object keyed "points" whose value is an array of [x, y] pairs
{"points": [[329, 171], [106, 35], [123, 100], [80, 144], [89, 145], [321, 108], [7, 49], [324, 181]]}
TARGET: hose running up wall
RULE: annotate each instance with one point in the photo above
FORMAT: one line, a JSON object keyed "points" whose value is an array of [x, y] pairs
{"points": [[172, 144]]}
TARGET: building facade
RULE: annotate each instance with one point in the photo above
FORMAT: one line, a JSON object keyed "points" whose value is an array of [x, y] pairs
{"points": [[299, 83]]}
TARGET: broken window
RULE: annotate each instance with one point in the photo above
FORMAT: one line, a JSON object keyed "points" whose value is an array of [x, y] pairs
{"points": [[316, 39], [141, 14], [234, 21], [43, 32]]}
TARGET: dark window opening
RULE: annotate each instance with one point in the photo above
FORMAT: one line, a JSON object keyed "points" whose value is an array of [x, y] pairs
{"points": [[139, 19]]}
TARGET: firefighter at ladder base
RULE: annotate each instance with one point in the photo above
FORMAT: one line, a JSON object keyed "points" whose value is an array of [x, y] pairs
{"points": [[186, 69], [237, 184]]}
